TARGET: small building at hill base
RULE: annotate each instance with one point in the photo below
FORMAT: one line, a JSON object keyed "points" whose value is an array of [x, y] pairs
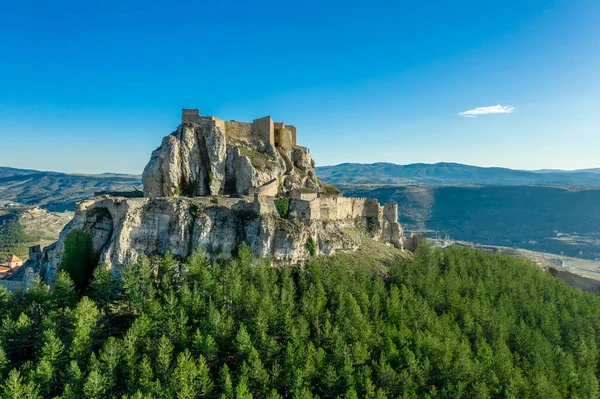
{"points": [[12, 264], [13, 261]]}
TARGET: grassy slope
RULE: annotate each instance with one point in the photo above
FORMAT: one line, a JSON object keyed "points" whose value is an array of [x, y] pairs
{"points": [[373, 256]]}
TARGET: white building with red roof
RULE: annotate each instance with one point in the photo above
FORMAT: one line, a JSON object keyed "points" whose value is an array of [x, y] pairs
{"points": [[11, 265]]}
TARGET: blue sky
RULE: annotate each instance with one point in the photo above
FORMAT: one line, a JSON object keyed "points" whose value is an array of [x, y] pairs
{"points": [[94, 86]]}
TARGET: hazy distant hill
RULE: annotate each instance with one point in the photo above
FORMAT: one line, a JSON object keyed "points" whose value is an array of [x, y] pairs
{"points": [[545, 210], [540, 218], [452, 174], [58, 191], [593, 170]]}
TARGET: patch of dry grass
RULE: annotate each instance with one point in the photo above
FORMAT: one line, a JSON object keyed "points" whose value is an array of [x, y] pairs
{"points": [[371, 255]]}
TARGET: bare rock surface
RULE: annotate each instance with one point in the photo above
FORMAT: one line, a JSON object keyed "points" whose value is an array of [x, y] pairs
{"points": [[123, 228], [200, 159]]}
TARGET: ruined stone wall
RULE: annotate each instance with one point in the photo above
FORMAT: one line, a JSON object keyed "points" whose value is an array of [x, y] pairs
{"points": [[371, 208], [304, 149], [307, 195], [264, 205], [301, 209], [285, 138], [239, 130], [189, 115], [390, 212], [328, 208], [264, 130], [293, 134], [269, 189], [284, 135], [340, 208], [315, 209], [392, 231], [211, 121], [336, 208]]}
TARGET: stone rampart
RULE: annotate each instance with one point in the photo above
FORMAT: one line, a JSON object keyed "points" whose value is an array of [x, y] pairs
{"points": [[390, 212], [285, 138], [189, 115], [294, 134], [284, 135], [264, 129], [301, 209], [335, 208], [264, 205], [304, 194], [304, 149], [239, 130], [211, 120], [269, 189]]}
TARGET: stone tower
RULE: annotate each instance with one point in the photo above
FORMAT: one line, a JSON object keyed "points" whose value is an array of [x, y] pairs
{"points": [[190, 115]]}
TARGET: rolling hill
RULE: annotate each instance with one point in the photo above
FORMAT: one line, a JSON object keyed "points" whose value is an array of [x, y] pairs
{"points": [[58, 192], [452, 174], [540, 218]]}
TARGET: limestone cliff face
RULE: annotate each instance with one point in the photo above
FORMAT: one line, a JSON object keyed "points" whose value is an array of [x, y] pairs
{"points": [[200, 159], [123, 228]]}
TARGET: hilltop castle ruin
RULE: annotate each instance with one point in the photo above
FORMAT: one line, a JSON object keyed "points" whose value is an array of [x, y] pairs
{"points": [[209, 156], [277, 134], [217, 184]]}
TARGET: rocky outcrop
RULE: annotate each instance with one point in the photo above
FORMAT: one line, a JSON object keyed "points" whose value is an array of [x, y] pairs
{"points": [[123, 228], [200, 159]]}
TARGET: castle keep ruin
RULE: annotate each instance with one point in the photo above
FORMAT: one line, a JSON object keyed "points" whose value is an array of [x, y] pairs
{"points": [[277, 134]]}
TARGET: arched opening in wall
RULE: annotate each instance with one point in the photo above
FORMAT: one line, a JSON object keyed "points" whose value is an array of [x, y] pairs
{"points": [[230, 184], [83, 247], [277, 137], [79, 258]]}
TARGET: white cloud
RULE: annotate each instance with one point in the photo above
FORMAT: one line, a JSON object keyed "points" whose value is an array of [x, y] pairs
{"points": [[493, 109]]}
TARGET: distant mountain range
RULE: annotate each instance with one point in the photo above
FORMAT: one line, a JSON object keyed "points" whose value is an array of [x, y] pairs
{"points": [[59, 191], [592, 170], [492, 206], [452, 174]]}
